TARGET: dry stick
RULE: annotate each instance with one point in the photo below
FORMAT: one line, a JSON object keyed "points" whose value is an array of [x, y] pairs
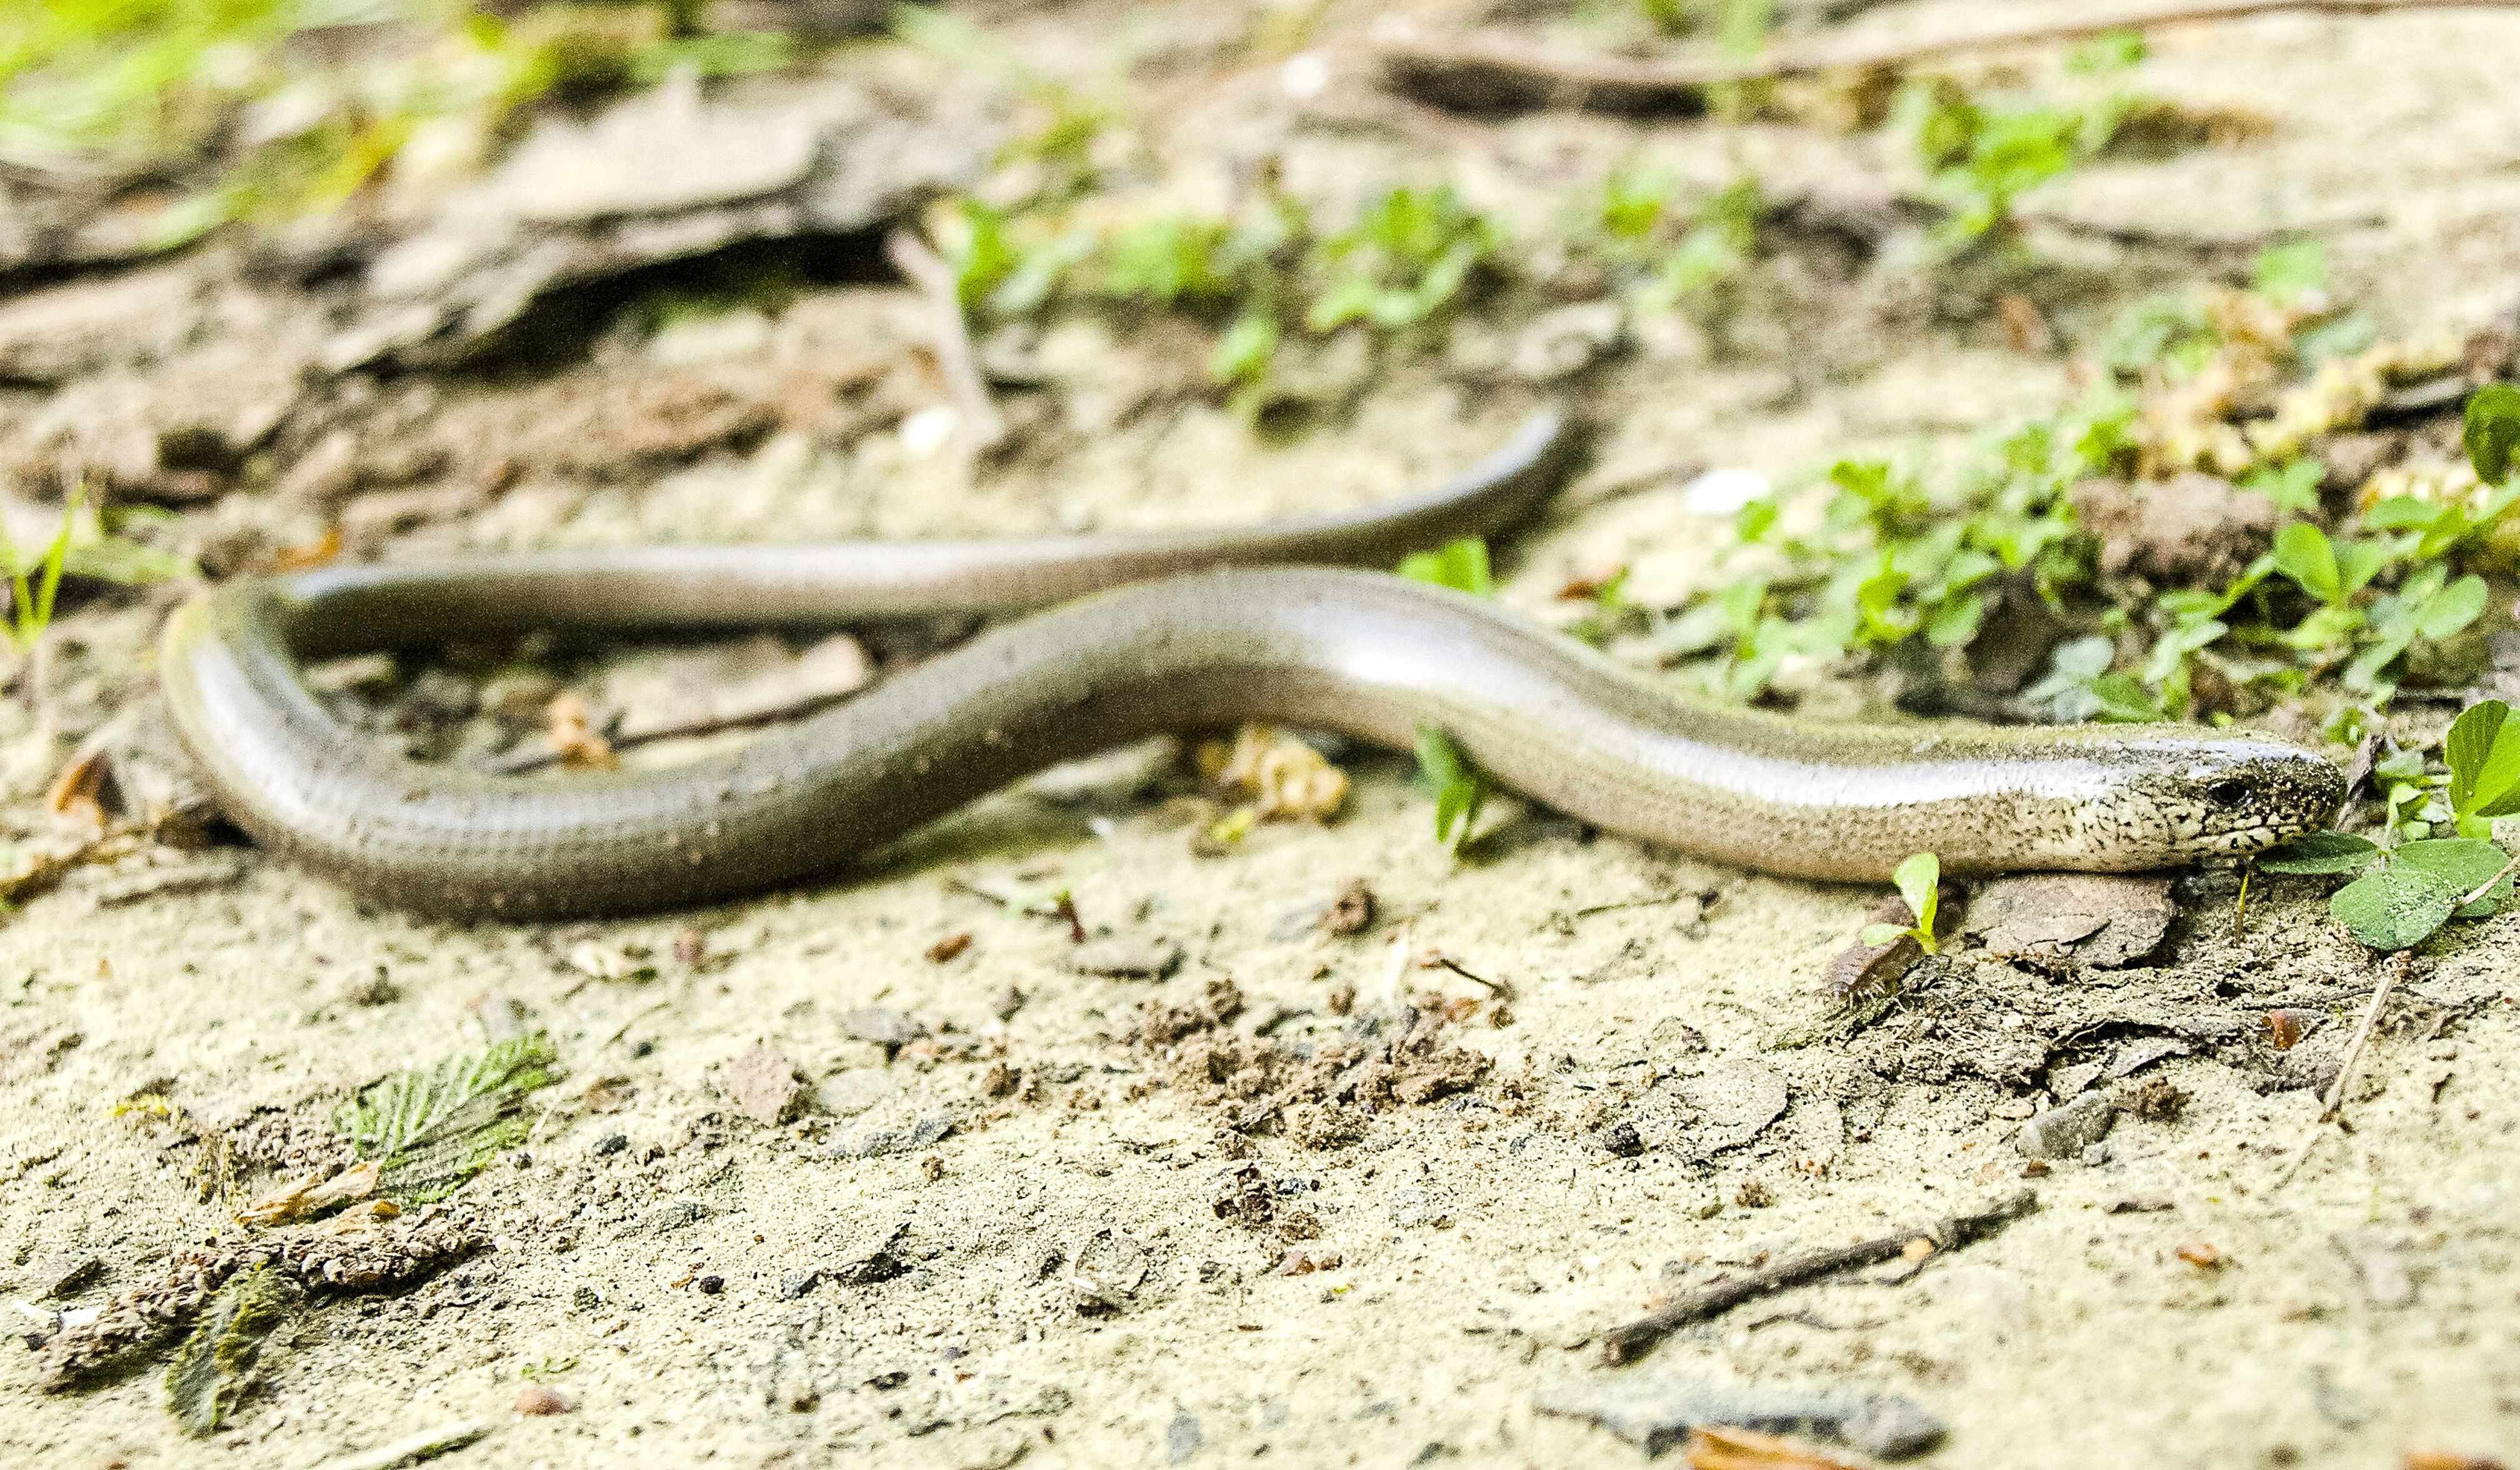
{"points": [[413, 1450], [984, 426], [518, 763], [2329, 1106], [1637, 1338], [1505, 73], [2401, 963]]}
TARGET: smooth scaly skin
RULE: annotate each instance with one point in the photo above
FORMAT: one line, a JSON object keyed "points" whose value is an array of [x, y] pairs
{"points": [[1369, 656]]}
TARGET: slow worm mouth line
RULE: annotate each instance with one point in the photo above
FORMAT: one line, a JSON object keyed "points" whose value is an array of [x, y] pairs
{"points": [[1142, 633]]}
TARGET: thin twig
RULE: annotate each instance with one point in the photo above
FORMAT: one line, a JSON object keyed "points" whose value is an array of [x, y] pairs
{"points": [[2481, 889], [518, 763], [2400, 964], [1655, 902], [1505, 73], [1443, 960], [2333, 1102], [1637, 1338], [413, 1450], [983, 428]]}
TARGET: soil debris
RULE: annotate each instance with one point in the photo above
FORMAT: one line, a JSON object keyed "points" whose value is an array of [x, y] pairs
{"points": [[1283, 777], [365, 1260], [1318, 1092], [2190, 530]]}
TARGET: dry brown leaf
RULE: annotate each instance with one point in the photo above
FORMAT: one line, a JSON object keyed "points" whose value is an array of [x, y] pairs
{"points": [[359, 1217], [312, 1194], [79, 791], [1715, 1446], [2023, 325], [318, 553], [1289, 777], [569, 725], [2203, 1255]]}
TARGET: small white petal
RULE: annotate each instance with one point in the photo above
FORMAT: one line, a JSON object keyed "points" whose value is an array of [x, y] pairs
{"points": [[926, 431], [1304, 74], [1721, 492]]}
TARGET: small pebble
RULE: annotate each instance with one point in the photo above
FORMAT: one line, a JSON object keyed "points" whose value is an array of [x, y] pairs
{"points": [[2063, 1133], [534, 1398]]}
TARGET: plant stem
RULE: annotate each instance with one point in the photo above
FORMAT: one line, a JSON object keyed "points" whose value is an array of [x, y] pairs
{"points": [[2481, 889], [982, 426]]}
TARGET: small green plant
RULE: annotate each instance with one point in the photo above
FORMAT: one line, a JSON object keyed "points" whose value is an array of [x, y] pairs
{"points": [[1981, 157], [82, 547], [1462, 565], [1921, 885], [1665, 255], [2492, 432], [2290, 272], [1459, 787], [1611, 613], [2293, 487], [34, 589], [2483, 751], [2406, 890], [1739, 25], [1408, 256]]}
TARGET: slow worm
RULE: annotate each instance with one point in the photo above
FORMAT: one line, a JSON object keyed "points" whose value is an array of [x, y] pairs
{"points": [[1210, 640]]}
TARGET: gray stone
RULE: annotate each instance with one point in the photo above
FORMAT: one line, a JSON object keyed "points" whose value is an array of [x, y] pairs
{"points": [[1734, 1099], [671, 1216], [1560, 343], [882, 1025], [882, 1142], [1655, 1409], [2063, 1133], [2101, 920], [1182, 1438], [583, 201], [1125, 956], [2143, 1052]]}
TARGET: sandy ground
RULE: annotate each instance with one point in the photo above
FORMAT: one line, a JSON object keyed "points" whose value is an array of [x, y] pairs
{"points": [[2366, 1305]]}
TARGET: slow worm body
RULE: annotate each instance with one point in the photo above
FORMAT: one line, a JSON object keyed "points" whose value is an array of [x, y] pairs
{"points": [[1211, 640]]}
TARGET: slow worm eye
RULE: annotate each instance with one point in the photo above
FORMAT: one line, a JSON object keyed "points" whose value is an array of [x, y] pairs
{"points": [[2227, 793]]}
